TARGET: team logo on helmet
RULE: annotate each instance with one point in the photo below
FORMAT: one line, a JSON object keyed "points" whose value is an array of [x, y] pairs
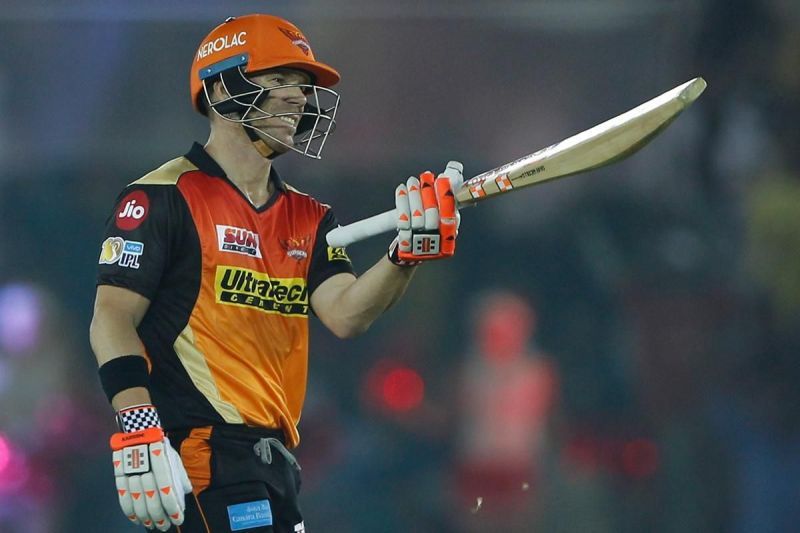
{"points": [[297, 39]]}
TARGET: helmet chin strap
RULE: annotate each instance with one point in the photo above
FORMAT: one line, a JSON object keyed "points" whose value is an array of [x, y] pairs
{"points": [[260, 145]]}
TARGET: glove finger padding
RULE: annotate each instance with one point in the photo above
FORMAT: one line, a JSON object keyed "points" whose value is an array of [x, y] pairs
{"points": [[415, 204], [170, 482], [403, 207], [151, 498], [429, 204], [448, 215], [403, 218], [139, 505], [124, 491]]}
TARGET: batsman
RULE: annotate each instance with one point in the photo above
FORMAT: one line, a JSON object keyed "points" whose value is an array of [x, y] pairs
{"points": [[208, 271]]}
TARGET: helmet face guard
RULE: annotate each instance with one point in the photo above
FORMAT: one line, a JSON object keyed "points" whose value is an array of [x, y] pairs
{"points": [[243, 100], [250, 44]]}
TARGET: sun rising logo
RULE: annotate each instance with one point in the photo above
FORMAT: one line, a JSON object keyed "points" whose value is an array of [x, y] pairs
{"points": [[132, 211], [238, 240], [296, 248], [297, 39]]}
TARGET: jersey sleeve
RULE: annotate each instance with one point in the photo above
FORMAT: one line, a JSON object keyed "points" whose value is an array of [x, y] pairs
{"points": [[136, 246], [326, 261]]}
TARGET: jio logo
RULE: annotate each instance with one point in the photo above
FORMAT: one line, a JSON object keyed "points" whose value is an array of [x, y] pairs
{"points": [[132, 210]]}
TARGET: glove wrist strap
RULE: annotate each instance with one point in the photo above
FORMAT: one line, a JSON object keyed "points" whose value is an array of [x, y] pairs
{"points": [[138, 418], [394, 256]]}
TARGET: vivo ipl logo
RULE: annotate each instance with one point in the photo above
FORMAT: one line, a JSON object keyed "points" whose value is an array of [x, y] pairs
{"points": [[116, 250], [238, 240]]}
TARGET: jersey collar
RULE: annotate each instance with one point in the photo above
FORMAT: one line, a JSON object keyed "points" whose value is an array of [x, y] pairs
{"points": [[203, 161]]}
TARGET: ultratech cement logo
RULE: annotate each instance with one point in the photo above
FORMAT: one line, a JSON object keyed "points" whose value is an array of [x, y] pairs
{"points": [[238, 240], [248, 288]]}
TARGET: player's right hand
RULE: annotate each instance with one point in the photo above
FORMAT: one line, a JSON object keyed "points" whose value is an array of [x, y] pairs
{"points": [[428, 219], [151, 479]]}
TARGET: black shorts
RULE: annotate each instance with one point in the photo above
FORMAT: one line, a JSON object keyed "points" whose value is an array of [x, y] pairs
{"points": [[253, 488]]}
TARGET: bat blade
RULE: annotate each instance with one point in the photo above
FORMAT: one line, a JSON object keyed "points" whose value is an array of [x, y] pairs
{"points": [[599, 146], [604, 144]]}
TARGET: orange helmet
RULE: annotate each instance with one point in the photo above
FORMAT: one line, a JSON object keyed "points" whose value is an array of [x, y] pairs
{"points": [[254, 43]]}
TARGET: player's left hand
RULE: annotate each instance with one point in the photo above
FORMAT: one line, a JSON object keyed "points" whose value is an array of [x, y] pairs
{"points": [[428, 219], [151, 479]]}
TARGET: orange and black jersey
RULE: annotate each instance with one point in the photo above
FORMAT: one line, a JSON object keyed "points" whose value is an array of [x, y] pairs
{"points": [[226, 333]]}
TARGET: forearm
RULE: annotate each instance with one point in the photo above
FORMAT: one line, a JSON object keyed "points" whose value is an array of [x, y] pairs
{"points": [[114, 335], [364, 299]]}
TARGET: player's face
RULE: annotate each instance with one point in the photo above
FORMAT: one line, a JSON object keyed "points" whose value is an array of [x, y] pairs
{"points": [[284, 98]]}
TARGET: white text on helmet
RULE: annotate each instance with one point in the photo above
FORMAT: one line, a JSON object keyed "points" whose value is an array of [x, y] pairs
{"points": [[221, 43]]}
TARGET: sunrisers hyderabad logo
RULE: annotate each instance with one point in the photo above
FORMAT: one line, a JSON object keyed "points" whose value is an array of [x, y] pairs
{"points": [[247, 288], [297, 39], [296, 248]]}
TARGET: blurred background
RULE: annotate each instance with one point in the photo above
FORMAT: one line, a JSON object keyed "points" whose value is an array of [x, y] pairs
{"points": [[616, 352]]}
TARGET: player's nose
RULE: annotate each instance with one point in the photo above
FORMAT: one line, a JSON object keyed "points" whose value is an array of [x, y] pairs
{"points": [[295, 95]]}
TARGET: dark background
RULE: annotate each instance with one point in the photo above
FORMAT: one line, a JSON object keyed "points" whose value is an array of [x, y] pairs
{"points": [[662, 294]]}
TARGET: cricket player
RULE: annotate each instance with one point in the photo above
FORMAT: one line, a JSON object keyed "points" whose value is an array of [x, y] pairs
{"points": [[209, 269]]}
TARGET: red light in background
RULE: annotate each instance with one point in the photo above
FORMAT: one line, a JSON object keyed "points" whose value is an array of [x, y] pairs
{"points": [[403, 389], [394, 387], [640, 458]]}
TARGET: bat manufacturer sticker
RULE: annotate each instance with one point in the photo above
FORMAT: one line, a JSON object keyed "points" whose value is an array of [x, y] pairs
{"points": [[238, 240], [132, 211], [116, 250], [529, 173], [503, 183], [476, 190]]}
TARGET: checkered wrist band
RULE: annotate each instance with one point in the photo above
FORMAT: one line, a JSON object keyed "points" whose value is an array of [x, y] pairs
{"points": [[137, 418]]}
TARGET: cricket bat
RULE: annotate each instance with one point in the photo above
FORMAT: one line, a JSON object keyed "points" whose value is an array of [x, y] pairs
{"points": [[602, 145]]}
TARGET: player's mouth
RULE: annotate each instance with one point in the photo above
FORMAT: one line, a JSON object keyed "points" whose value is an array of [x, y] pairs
{"points": [[290, 120]]}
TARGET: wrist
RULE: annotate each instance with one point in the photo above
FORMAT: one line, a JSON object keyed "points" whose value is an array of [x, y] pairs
{"points": [[393, 255], [121, 374]]}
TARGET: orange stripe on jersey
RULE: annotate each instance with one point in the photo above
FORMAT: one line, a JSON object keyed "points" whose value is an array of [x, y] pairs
{"points": [[246, 343]]}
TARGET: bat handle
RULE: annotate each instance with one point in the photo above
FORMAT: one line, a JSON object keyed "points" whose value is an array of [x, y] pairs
{"points": [[363, 229], [386, 221]]}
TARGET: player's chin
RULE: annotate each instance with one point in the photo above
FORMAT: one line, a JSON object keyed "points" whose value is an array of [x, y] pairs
{"points": [[279, 141]]}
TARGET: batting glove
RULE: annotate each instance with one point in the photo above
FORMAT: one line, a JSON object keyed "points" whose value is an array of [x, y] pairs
{"points": [[151, 479], [427, 220]]}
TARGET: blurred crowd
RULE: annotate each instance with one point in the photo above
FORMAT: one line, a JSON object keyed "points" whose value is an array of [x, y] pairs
{"points": [[614, 353]]}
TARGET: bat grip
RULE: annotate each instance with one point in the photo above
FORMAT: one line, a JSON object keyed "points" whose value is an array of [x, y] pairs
{"points": [[386, 221], [363, 229]]}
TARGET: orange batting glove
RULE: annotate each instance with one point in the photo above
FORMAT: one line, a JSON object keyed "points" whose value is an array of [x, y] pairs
{"points": [[427, 220]]}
